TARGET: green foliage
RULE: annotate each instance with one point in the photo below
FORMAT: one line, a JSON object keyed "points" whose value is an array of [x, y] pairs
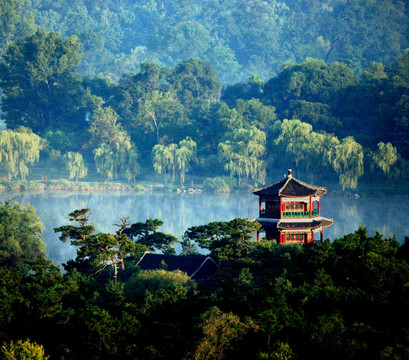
{"points": [[313, 81], [14, 22], [311, 151], [195, 79], [18, 149], [114, 153], [76, 166], [226, 240], [385, 156], [20, 235], [160, 284], [105, 129], [40, 86], [157, 109], [23, 350], [100, 250], [219, 332], [344, 299], [347, 158], [174, 158], [239, 38], [146, 234], [242, 152]]}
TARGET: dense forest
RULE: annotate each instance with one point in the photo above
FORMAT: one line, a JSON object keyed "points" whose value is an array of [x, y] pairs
{"points": [[339, 300], [227, 91], [240, 38]]}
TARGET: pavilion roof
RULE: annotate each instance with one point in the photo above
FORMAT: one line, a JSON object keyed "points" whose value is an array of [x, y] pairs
{"points": [[297, 224], [290, 186]]}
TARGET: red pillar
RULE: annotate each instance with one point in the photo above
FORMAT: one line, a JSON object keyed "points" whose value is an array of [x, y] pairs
{"points": [[322, 235], [258, 236], [312, 236], [311, 207], [259, 207], [281, 208]]}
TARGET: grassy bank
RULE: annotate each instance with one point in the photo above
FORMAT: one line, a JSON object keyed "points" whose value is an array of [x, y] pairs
{"points": [[67, 185]]}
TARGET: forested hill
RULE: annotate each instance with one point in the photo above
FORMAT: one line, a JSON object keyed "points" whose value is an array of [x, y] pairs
{"points": [[239, 37], [69, 96]]}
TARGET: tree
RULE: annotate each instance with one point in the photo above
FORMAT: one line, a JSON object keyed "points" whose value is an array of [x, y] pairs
{"points": [[14, 22], [111, 162], [76, 166], [146, 234], [252, 89], [20, 235], [347, 159], [242, 152], [195, 79], [159, 285], [40, 86], [100, 250], [227, 240], [114, 153], [363, 31], [23, 350], [79, 233], [105, 129], [184, 40], [385, 156], [219, 332], [254, 113], [313, 81], [295, 142], [174, 158], [157, 109], [18, 150]]}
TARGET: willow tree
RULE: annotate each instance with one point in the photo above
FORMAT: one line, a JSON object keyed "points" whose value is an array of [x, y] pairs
{"points": [[296, 143], [347, 159], [114, 154], [243, 153], [385, 156], [75, 165], [112, 162], [173, 159], [18, 150]]}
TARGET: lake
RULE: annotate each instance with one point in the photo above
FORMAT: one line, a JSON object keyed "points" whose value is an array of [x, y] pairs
{"points": [[386, 213]]}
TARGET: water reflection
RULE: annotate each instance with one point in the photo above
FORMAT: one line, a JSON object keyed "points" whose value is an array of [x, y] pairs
{"points": [[180, 211]]}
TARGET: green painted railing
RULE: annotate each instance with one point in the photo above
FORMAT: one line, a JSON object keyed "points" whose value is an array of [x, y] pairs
{"points": [[300, 214]]}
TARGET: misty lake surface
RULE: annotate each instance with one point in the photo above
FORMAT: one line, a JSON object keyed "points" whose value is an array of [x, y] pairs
{"points": [[387, 213]]}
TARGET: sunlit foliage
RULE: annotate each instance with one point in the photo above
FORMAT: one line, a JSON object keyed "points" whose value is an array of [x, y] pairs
{"points": [[243, 153], [18, 150]]}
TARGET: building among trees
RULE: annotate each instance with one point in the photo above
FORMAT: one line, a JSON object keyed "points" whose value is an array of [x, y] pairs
{"points": [[290, 211]]}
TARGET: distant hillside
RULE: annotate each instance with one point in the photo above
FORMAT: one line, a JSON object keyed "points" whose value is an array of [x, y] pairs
{"points": [[240, 38]]}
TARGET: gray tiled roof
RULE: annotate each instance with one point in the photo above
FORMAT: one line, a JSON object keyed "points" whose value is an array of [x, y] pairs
{"points": [[290, 187], [294, 224]]}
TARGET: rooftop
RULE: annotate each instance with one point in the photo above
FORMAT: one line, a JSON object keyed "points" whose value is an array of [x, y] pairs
{"points": [[290, 186], [292, 224]]}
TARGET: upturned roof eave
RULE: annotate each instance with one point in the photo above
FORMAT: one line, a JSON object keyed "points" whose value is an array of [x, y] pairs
{"points": [[311, 189]]}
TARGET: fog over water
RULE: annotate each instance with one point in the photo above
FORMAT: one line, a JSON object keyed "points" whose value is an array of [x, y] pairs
{"points": [[388, 214]]}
